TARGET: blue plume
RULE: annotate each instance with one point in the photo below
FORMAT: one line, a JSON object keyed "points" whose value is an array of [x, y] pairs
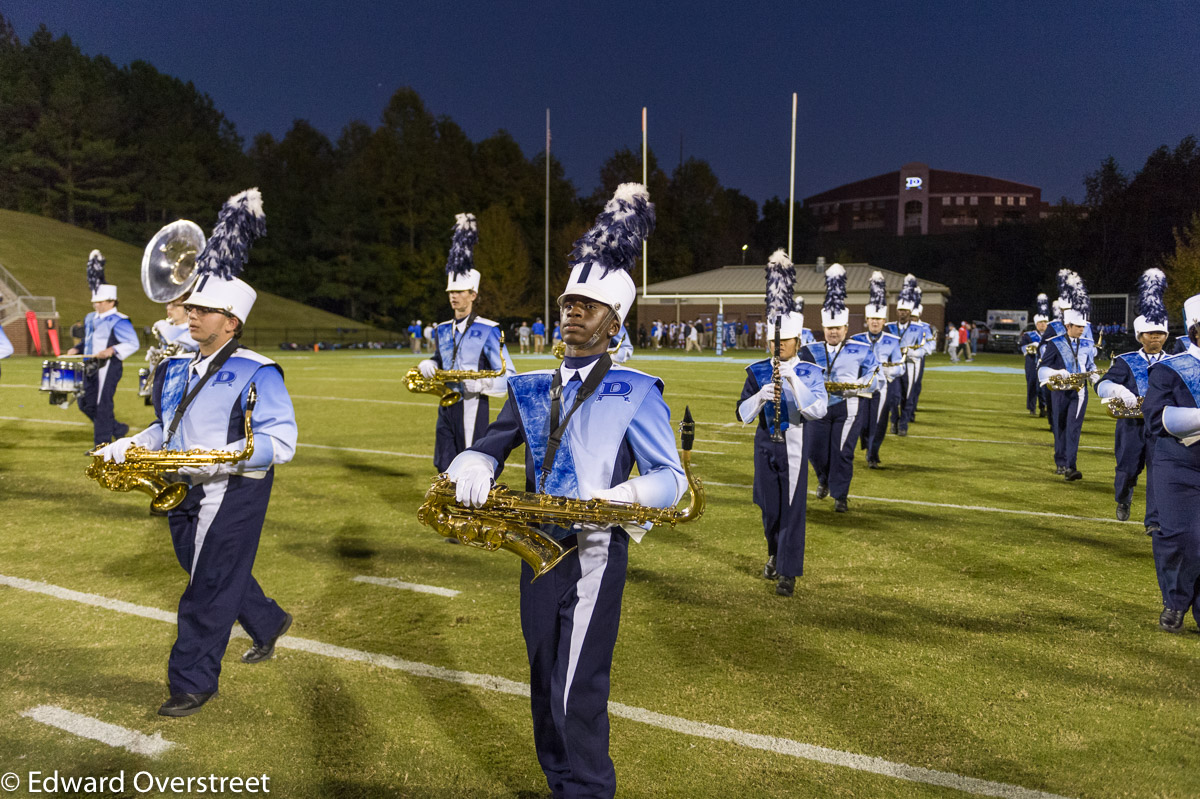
{"points": [[95, 270], [462, 246], [240, 222], [835, 289], [781, 279], [1063, 276], [1078, 295], [615, 241], [908, 292], [1043, 305], [878, 290], [1151, 287]]}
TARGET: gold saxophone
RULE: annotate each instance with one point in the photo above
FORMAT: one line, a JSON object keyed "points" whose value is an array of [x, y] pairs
{"points": [[1031, 349], [419, 384], [1118, 409], [509, 519], [1072, 382], [154, 357], [143, 468]]}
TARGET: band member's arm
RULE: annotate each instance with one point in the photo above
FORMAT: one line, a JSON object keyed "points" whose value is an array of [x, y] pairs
{"points": [[127, 340], [660, 481], [1051, 363], [474, 469], [273, 422], [1169, 408], [1116, 381], [6, 347], [430, 365], [624, 347], [494, 386]]}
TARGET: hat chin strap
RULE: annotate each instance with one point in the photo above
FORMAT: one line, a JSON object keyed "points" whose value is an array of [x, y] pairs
{"points": [[595, 339]]}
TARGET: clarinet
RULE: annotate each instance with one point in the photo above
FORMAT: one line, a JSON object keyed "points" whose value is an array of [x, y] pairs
{"points": [[777, 380]]}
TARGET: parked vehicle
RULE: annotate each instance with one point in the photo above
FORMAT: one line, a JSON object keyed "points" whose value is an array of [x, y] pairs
{"points": [[1003, 336]]}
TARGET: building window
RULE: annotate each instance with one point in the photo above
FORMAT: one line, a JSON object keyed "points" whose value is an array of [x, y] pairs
{"points": [[974, 201], [1022, 201], [959, 200], [998, 200], [945, 201], [1010, 200]]}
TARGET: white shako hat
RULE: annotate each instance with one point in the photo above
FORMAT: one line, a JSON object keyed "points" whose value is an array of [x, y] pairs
{"points": [[780, 301], [602, 258], [101, 291], [1081, 304], [908, 294], [1152, 312], [916, 312], [877, 301], [461, 274], [218, 287], [834, 312], [1043, 309], [1191, 311]]}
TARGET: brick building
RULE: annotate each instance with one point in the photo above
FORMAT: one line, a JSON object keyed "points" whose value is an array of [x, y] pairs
{"points": [[917, 201]]}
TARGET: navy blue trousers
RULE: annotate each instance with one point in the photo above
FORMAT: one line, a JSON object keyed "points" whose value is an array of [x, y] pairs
{"points": [[783, 509], [906, 400], [916, 392], [1067, 409], [96, 402], [1133, 454], [1176, 474], [221, 588], [1035, 395], [833, 440], [450, 437], [875, 418], [569, 617]]}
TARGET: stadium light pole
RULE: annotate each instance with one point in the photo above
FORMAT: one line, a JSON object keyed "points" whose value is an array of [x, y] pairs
{"points": [[792, 180], [546, 311], [744, 246]]}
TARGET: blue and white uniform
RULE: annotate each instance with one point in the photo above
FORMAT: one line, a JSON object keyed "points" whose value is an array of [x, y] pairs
{"points": [[781, 468], [101, 331], [835, 435], [217, 527], [1172, 414], [928, 346], [473, 348], [875, 409], [1064, 355], [177, 334], [620, 346], [1035, 394], [912, 339], [569, 616], [1131, 372], [6, 347]]}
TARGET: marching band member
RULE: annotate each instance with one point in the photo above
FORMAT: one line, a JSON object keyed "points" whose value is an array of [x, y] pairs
{"points": [[467, 342], [620, 346], [6, 347], [928, 347], [584, 425], [109, 338], [174, 329], [1172, 413], [1061, 306], [1065, 355], [781, 456], [835, 435], [1127, 380], [1031, 341], [886, 348], [200, 403], [912, 340]]}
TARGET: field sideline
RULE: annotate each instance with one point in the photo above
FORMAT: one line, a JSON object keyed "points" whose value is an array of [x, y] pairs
{"points": [[974, 626]]}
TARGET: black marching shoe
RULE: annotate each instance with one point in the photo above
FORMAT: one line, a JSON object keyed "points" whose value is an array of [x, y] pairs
{"points": [[1071, 475], [187, 704], [1033, 413], [873, 464], [259, 653], [1041, 413], [902, 432], [769, 572], [822, 491], [1060, 469], [840, 506], [1122, 511], [1171, 621], [894, 428], [786, 586]]}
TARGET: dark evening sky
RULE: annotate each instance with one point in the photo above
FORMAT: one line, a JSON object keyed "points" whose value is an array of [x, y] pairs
{"points": [[1037, 92]]}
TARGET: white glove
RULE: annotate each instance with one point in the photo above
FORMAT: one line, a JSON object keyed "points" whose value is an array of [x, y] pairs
{"points": [[473, 386], [427, 368], [151, 354], [766, 393], [1125, 395], [1096, 379], [472, 482], [115, 452], [786, 371], [203, 474], [622, 492]]}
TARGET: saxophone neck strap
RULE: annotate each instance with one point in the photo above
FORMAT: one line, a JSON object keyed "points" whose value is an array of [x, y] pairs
{"points": [[557, 428], [213, 368], [458, 340]]}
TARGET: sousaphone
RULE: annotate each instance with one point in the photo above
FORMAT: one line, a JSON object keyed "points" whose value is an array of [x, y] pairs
{"points": [[169, 262]]}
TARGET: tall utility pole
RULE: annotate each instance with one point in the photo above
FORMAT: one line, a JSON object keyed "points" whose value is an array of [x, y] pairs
{"points": [[792, 184], [546, 311]]}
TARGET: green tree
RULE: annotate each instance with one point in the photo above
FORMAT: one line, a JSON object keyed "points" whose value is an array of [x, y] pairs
{"points": [[1183, 268]]}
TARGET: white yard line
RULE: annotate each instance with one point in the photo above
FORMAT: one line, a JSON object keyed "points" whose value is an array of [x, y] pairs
{"points": [[391, 582], [993, 441], [96, 730], [431, 404], [767, 743], [368, 451], [44, 421]]}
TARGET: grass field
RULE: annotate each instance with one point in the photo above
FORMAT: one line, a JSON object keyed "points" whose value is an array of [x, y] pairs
{"points": [[973, 615]]}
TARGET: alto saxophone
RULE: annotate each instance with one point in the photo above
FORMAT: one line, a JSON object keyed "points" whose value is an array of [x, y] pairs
{"points": [[1072, 382], [1118, 409], [143, 469], [417, 383], [509, 519], [1031, 349]]}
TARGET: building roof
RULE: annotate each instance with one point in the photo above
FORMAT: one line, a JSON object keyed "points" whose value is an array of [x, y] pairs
{"points": [[810, 279], [940, 182]]}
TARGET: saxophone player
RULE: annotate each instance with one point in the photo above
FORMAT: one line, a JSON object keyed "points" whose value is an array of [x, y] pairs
{"points": [[853, 366], [467, 342], [886, 347], [1069, 354], [584, 425], [1031, 343], [912, 344], [1126, 381], [782, 393], [216, 529]]}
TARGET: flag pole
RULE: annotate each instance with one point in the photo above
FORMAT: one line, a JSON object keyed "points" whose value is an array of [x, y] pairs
{"points": [[792, 181]]}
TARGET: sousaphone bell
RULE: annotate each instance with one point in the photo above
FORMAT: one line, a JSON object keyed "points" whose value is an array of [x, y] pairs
{"points": [[169, 262]]}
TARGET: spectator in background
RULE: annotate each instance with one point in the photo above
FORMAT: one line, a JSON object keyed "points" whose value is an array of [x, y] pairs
{"points": [[539, 335], [642, 338], [974, 341], [523, 334], [952, 343], [414, 336], [428, 334], [964, 341], [557, 335], [693, 338]]}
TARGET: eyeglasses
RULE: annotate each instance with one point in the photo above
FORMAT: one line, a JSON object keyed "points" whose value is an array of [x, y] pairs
{"points": [[199, 311]]}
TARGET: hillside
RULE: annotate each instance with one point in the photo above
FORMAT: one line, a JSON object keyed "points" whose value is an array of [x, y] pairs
{"points": [[50, 258]]}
